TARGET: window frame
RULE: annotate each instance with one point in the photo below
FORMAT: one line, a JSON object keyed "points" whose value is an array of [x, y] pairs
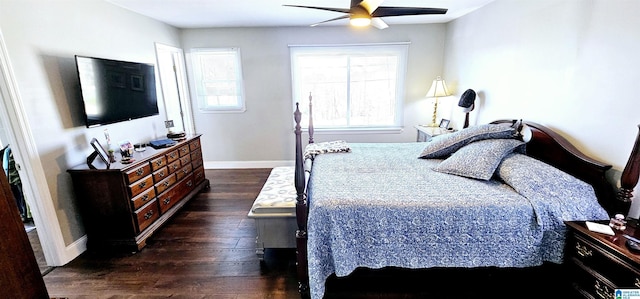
{"points": [[400, 49], [203, 106]]}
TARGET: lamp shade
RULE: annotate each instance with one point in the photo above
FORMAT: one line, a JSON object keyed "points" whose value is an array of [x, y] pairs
{"points": [[438, 89]]}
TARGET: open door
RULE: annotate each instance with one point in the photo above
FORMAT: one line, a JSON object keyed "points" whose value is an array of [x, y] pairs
{"points": [[173, 81], [20, 276]]}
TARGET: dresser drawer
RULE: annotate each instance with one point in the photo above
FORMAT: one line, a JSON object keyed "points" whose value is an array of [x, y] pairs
{"points": [[618, 272], [186, 170], [138, 173], [172, 156], [185, 160], [174, 166], [185, 186], [165, 184], [198, 175], [141, 185], [161, 174], [195, 144], [143, 198], [184, 150], [147, 215], [196, 155], [158, 163], [196, 160]]}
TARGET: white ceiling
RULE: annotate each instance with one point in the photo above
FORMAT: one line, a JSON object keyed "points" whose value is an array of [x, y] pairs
{"points": [[261, 13]]}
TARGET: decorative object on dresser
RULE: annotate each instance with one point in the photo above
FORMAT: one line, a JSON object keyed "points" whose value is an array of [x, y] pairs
{"points": [[124, 205], [438, 89], [467, 103], [631, 173], [600, 263]]}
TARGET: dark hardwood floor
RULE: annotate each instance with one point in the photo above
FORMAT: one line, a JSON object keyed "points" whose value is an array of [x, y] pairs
{"points": [[207, 251]]}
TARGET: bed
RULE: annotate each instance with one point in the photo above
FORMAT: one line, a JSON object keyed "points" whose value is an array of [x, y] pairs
{"points": [[384, 205]]}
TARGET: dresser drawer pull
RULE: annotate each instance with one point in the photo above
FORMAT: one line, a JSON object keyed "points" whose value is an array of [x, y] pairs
{"points": [[173, 155], [185, 171], [199, 175], [583, 251], [185, 150], [140, 172], [148, 215], [159, 163], [636, 283], [166, 184], [603, 291], [166, 201], [175, 166], [161, 174], [143, 184], [145, 197], [189, 183]]}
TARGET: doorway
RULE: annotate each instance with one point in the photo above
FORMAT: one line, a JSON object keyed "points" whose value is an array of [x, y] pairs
{"points": [[173, 81]]}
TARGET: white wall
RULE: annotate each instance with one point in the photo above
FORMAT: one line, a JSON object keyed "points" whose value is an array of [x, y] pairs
{"points": [[265, 131], [570, 65], [42, 37]]}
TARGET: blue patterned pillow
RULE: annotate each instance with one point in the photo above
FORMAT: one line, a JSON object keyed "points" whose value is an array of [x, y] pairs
{"points": [[444, 145], [480, 159]]}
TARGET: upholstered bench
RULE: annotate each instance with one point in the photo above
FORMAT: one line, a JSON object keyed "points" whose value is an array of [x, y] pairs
{"points": [[274, 211]]}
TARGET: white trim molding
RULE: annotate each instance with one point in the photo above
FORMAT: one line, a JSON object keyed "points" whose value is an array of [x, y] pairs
{"points": [[34, 182], [246, 164]]}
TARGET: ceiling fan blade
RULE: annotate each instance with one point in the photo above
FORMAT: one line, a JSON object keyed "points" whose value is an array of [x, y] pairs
{"points": [[343, 10], [388, 11], [378, 23], [371, 5], [334, 19]]}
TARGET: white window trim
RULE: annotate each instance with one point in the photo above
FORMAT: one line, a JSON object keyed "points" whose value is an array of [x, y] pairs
{"points": [[202, 105], [400, 91]]}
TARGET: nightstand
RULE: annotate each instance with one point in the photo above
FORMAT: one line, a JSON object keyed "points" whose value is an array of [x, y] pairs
{"points": [[426, 133], [599, 264]]}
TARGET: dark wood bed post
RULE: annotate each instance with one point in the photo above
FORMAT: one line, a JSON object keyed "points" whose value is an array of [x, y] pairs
{"points": [[301, 212], [631, 173]]}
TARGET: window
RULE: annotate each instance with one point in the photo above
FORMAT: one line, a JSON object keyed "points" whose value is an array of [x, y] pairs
{"points": [[353, 86], [218, 79]]}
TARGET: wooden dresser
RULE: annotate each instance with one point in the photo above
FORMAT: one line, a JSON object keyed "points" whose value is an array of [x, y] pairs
{"points": [[124, 205], [599, 264]]}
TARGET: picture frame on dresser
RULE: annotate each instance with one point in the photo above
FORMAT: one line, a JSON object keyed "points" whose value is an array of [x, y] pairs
{"points": [[98, 151], [444, 123]]}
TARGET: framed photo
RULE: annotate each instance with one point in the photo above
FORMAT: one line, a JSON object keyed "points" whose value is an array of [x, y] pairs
{"points": [[444, 123], [99, 151]]}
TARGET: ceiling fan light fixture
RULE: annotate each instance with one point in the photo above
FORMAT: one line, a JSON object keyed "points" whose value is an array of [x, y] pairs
{"points": [[360, 21]]}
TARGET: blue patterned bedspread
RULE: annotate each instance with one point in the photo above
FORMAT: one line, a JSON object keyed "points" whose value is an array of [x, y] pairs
{"points": [[381, 206]]}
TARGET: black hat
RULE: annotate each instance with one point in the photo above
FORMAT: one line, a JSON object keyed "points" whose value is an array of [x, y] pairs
{"points": [[467, 98]]}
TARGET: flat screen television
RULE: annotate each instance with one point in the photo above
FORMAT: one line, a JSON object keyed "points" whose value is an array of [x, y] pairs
{"points": [[115, 91]]}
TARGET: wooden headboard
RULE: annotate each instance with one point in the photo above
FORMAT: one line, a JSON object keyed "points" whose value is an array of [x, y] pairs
{"points": [[551, 148]]}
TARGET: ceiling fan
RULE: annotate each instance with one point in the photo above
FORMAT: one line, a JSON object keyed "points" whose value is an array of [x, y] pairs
{"points": [[369, 12]]}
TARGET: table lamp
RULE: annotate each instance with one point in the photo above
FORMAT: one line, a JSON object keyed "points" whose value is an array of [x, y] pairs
{"points": [[438, 89]]}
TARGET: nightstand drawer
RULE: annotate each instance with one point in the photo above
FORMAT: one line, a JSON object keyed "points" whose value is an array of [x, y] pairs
{"points": [[618, 272]]}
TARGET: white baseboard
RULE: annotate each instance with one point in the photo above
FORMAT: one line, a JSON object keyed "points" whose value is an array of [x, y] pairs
{"points": [[246, 164]]}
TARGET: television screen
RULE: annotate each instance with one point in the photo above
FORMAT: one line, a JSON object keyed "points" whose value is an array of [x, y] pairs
{"points": [[114, 91]]}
